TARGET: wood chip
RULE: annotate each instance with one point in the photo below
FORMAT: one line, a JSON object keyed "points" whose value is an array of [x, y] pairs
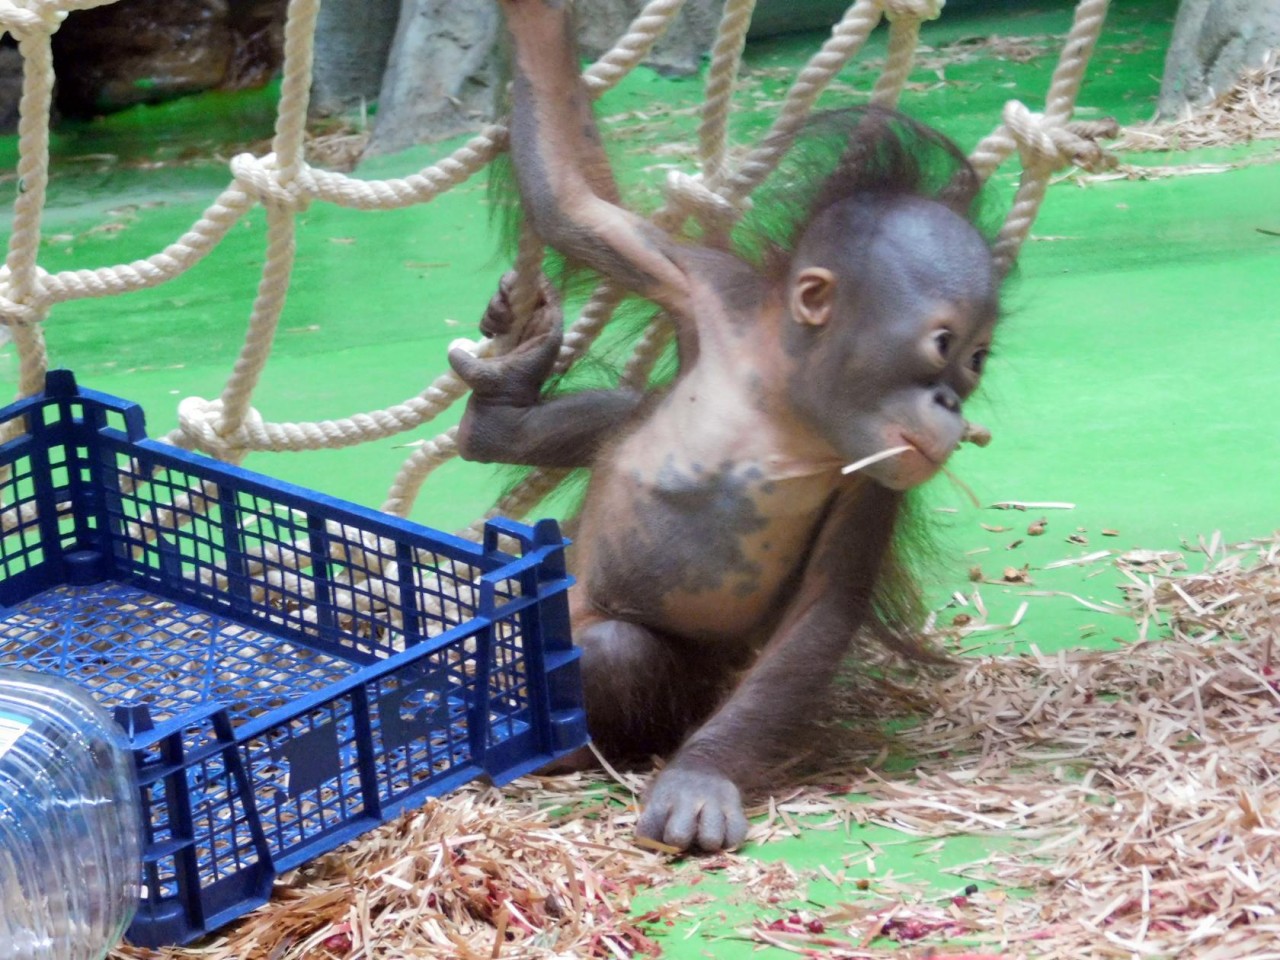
{"points": [[1088, 558], [1032, 505]]}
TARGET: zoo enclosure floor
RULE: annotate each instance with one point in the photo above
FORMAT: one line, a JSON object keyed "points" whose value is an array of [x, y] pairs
{"points": [[1134, 376]]}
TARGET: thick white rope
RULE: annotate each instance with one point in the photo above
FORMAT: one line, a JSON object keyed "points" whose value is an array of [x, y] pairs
{"points": [[22, 296], [1044, 142], [904, 19], [726, 60], [846, 40], [634, 46], [415, 470], [282, 204], [177, 258], [285, 184], [631, 49]]}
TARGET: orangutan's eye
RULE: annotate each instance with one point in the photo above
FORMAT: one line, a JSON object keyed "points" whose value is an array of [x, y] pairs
{"points": [[942, 341]]}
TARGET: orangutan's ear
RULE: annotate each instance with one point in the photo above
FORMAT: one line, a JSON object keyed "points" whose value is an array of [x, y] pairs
{"points": [[813, 296]]}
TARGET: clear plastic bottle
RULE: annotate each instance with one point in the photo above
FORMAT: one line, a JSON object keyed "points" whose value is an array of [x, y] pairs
{"points": [[69, 823]]}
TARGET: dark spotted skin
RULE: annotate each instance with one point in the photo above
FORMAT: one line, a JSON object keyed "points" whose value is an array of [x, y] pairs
{"points": [[724, 562]]}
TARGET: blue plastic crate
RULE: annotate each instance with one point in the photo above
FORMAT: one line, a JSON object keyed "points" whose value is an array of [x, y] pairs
{"points": [[293, 670]]}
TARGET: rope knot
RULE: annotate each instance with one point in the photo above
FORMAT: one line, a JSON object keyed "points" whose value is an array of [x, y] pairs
{"points": [[260, 176], [14, 314], [1081, 139], [1032, 132], [25, 23], [26, 312], [912, 9], [200, 421], [691, 192], [1048, 144]]}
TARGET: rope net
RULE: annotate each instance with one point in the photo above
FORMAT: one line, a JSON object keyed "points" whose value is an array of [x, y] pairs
{"points": [[284, 184]]}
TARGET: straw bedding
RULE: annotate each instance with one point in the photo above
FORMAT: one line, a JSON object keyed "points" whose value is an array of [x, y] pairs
{"points": [[1141, 782], [1247, 112], [1134, 790], [1138, 785]]}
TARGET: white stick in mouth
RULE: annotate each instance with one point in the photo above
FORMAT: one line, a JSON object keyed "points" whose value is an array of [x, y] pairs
{"points": [[875, 458]]}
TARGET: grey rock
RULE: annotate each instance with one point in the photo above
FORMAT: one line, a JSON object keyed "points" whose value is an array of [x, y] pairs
{"points": [[442, 73], [10, 85], [353, 41], [1214, 43], [443, 76], [140, 51]]}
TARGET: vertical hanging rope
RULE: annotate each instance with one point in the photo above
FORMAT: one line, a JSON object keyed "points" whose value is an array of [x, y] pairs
{"points": [[1041, 151], [267, 307], [295, 92], [726, 60], [524, 295], [295, 89], [26, 312], [1086, 28], [904, 37]]}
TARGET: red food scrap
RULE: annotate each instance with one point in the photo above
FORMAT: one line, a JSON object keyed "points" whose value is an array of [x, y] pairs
{"points": [[339, 943]]}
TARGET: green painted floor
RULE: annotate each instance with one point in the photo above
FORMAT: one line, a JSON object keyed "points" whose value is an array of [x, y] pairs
{"points": [[1135, 375]]}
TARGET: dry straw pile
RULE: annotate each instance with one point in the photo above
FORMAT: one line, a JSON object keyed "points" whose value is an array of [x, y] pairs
{"points": [[1247, 112], [1138, 787], [1142, 781]]}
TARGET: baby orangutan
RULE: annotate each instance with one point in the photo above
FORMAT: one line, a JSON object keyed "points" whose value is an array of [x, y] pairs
{"points": [[724, 562]]}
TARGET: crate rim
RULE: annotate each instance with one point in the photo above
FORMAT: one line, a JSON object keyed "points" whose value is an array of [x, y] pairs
{"points": [[539, 541]]}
